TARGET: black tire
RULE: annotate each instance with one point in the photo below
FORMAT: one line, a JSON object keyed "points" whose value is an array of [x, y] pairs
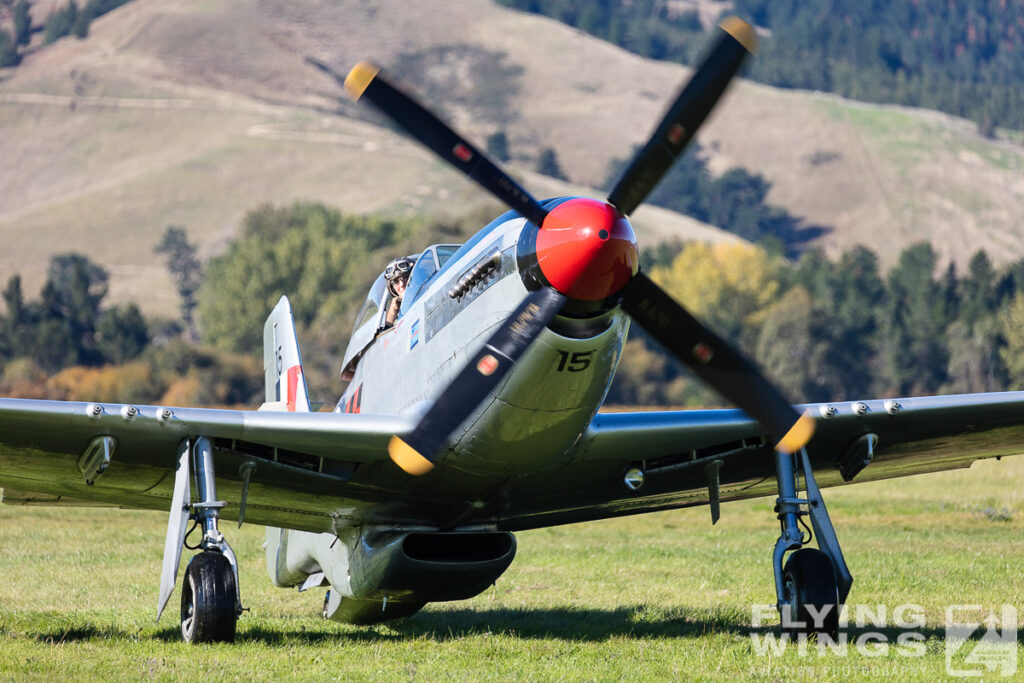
{"points": [[809, 580], [208, 595]]}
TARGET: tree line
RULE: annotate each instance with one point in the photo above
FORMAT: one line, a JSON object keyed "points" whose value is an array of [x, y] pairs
{"points": [[69, 343], [959, 57], [734, 201], [823, 328], [72, 19], [12, 42], [69, 19], [839, 329]]}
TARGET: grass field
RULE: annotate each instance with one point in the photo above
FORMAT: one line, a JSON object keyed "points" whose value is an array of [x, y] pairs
{"points": [[664, 596]]}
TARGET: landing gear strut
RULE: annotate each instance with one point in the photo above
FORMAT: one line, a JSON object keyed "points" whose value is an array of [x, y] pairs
{"points": [[210, 599], [813, 584]]}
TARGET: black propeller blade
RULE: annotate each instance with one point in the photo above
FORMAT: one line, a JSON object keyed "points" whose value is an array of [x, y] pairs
{"points": [[415, 454], [715, 362], [685, 115], [711, 358], [366, 80]]}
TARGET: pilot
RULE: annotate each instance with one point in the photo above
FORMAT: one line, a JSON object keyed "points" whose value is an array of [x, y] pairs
{"points": [[397, 276]]}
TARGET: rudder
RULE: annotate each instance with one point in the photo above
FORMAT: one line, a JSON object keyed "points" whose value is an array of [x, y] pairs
{"points": [[282, 364]]}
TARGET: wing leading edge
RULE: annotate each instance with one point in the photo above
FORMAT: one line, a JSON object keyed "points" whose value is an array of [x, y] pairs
{"points": [[855, 441], [65, 426], [46, 447], [308, 485], [924, 434]]}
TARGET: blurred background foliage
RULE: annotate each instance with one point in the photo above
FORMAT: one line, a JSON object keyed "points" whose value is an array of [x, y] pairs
{"points": [[824, 328]]}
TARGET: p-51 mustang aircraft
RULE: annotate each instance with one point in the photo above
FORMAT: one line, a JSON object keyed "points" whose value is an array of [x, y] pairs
{"points": [[475, 414]]}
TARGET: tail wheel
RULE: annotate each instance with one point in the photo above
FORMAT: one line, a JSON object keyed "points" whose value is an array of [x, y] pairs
{"points": [[208, 595], [809, 582]]}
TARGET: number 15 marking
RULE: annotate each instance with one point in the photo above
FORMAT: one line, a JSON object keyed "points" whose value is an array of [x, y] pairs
{"points": [[578, 361]]}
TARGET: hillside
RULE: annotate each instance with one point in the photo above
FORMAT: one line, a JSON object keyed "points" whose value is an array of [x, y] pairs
{"points": [[955, 57], [182, 112]]}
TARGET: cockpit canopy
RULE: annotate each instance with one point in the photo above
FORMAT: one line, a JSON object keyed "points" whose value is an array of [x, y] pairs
{"points": [[374, 299], [371, 315], [429, 262]]}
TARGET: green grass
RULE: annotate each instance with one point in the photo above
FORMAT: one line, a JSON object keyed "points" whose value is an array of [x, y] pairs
{"points": [[663, 596]]}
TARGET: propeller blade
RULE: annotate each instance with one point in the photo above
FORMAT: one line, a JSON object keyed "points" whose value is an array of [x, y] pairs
{"points": [[685, 115], [366, 80], [415, 454], [715, 362]]}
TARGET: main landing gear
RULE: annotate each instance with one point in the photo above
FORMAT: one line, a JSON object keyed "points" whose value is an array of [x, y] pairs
{"points": [[813, 584], [210, 599]]}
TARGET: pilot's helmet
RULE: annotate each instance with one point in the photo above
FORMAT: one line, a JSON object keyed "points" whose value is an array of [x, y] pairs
{"points": [[398, 268]]}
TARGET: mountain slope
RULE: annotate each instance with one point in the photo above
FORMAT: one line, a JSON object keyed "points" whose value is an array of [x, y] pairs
{"points": [[182, 112]]}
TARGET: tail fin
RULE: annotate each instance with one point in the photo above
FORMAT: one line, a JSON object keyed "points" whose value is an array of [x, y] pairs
{"points": [[282, 365]]}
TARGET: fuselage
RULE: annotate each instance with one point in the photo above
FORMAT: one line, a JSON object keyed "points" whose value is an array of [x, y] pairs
{"points": [[535, 415]]}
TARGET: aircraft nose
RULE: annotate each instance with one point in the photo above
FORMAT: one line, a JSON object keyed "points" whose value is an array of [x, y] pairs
{"points": [[586, 249]]}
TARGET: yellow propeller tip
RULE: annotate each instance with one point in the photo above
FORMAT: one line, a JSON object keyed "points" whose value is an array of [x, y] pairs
{"points": [[741, 31], [406, 457], [359, 78], [798, 435]]}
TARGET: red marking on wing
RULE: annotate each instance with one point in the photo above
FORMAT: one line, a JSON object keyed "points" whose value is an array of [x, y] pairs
{"points": [[676, 133], [703, 353], [462, 153], [293, 385], [487, 365]]}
